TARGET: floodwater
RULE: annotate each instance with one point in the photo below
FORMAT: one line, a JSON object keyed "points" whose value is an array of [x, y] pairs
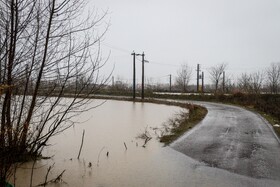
{"points": [[105, 161], [108, 129]]}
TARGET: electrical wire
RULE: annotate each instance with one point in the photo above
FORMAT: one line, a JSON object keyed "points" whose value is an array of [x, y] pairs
{"points": [[128, 52]]}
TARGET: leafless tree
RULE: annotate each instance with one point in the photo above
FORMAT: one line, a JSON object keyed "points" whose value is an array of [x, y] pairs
{"points": [[244, 83], [216, 74], [273, 77], [257, 82], [184, 77], [47, 48], [229, 84], [251, 83]]}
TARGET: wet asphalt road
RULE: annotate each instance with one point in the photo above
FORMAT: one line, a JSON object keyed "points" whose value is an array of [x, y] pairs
{"points": [[233, 139]]}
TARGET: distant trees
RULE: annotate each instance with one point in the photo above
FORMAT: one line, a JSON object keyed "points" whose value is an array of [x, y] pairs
{"points": [[244, 83], [46, 49], [273, 77], [251, 83], [257, 82], [183, 77], [262, 81], [216, 74], [229, 85]]}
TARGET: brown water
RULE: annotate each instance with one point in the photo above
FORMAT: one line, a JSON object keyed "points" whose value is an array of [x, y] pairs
{"points": [[107, 128]]}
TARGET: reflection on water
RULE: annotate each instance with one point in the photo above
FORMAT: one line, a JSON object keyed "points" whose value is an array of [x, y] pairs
{"points": [[107, 128]]}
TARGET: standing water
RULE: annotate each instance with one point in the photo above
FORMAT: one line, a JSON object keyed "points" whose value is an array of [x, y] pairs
{"points": [[112, 155]]}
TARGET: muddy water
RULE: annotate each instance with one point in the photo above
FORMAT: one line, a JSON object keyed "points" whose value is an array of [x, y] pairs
{"points": [[107, 128]]}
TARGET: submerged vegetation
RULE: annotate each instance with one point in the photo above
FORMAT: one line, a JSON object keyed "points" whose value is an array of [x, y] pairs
{"points": [[182, 123], [179, 125], [45, 51]]}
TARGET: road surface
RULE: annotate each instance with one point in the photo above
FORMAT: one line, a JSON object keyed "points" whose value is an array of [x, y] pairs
{"points": [[233, 139]]}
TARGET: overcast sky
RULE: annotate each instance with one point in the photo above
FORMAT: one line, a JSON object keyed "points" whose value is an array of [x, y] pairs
{"points": [[245, 34]]}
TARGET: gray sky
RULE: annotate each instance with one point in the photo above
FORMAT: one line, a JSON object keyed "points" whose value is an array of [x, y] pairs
{"points": [[245, 34]]}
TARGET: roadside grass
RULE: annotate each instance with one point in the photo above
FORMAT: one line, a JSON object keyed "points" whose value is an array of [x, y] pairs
{"points": [[272, 120], [183, 122]]}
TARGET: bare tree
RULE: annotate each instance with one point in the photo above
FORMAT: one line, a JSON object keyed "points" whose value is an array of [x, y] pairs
{"points": [[229, 84], [244, 83], [257, 82], [47, 48], [184, 77], [216, 74], [273, 77], [251, 83]]}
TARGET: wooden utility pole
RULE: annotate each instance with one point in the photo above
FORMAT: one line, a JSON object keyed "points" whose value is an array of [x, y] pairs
{"points": [[202, 83], [198, 69], [134, 73], [170, 83], [143, 61], [113, 81], [224, 78], [133, 86]]}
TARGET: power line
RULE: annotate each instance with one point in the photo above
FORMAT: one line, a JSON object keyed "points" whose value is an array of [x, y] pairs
{"points": [[158, 77], [153, 62], [116, 48], [128, 52]]}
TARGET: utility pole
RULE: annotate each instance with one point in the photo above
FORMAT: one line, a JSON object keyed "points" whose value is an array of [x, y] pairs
{"points": [[143, 61], [133, 87], [170, 82], [134, 73], [198, 69], [113, 81], [224, 78], [202, 84]]}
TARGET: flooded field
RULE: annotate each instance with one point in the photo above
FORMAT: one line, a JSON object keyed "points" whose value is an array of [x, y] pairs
{"points": [[108, 129], [112, 155]]}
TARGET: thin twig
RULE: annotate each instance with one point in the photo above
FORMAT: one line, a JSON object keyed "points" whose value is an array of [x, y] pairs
{"points": [[32, 171], [125, 145], [55, 180], [146, 141], [81, 144], [99, 155], [46, 177], [59, 177], [15, 171]]}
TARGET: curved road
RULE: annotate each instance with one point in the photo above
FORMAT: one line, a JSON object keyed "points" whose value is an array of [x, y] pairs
{"points": [[233, 139]]}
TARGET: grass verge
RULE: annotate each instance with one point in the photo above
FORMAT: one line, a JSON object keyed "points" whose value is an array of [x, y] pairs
{"points": [[271, 119], [185, 121]]}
